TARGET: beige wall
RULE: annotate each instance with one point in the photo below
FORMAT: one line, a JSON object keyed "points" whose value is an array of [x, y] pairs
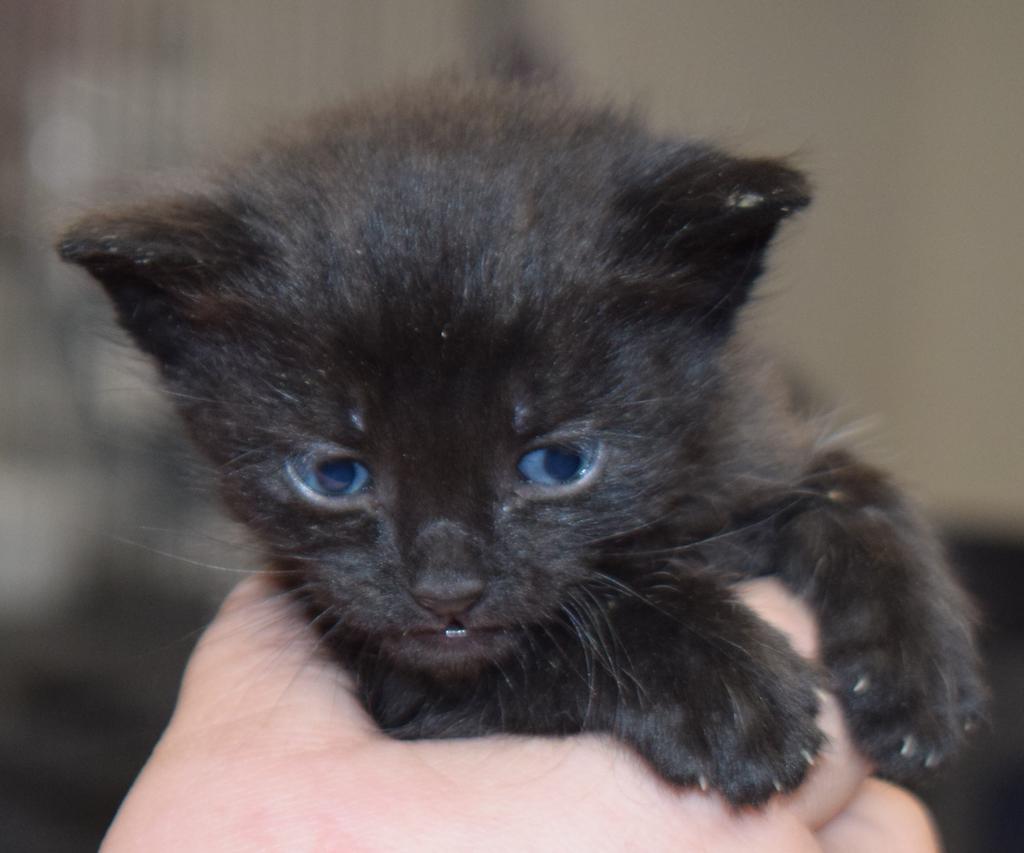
{"points": [[901, 292]]}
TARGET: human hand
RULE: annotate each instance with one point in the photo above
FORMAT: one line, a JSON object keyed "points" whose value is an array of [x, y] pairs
{"points": [[269, 749]]}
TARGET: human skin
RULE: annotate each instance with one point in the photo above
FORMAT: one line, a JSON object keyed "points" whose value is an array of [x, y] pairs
{"points": [[268, 749]]}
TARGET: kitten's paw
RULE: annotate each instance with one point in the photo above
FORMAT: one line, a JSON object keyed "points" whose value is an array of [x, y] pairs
{"points": [[748, 733], [759, 772], [909, 712], [772, 744]]}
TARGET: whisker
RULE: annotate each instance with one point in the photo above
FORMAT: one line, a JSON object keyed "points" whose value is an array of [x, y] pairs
{"points": [[321, 641], [593, 641], [622, 649], [625, 589], [262, 551], [588, 674], [645, 525], [596, 634], [716, 537], [198, 563], [278, 616]]}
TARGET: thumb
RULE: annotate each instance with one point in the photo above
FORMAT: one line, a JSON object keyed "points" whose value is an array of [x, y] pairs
{"points": [[260, 663]]}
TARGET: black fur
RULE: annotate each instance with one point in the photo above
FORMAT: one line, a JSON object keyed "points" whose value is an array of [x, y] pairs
{"points": [[439, 281]]}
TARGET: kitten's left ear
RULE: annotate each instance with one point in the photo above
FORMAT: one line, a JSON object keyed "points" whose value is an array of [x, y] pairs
{"points": [[167, 266], [693, 232]]}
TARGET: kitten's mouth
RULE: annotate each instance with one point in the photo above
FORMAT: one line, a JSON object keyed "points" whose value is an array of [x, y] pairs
{"points": [[456, 646], [455, 631]]}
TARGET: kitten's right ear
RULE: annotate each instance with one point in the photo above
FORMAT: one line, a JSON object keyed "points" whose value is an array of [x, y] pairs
{"points": [[693, 230], [164, 265]]}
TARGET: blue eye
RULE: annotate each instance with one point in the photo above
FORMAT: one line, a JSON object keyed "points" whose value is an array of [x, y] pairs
{"points": [[330, 476], [557, 465]]}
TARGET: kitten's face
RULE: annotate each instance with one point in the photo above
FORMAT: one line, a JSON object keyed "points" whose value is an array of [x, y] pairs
{"points": [[448, 353], [438, 484]]}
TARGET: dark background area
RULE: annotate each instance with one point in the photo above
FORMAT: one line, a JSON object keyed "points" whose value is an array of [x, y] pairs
{"points": [[899, 294]]}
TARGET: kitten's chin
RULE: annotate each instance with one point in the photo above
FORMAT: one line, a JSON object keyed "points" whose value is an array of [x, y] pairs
{"points": [[452, 652]]}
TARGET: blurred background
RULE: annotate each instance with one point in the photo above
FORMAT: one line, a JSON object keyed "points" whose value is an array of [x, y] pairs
{"points": [[899, 298]]}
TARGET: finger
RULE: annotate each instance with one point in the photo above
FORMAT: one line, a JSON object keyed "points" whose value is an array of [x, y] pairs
{"points": [[784, 611], [839, 769], [837, 774], [881, 817]]}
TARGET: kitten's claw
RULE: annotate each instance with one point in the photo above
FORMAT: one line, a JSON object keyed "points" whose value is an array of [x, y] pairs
{"points": [[702, 782], [777, 785], [808, 757], [908, 720]]}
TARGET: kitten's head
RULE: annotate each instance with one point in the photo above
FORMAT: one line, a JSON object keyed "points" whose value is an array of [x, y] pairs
{"points": [[449, 350]]}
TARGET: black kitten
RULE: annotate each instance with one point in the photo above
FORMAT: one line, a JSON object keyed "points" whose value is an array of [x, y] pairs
{"points": [[466, 361]]}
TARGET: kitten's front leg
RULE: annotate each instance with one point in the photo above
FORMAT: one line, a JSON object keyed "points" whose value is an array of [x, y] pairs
{"points": [[681, 670], [714, 696], [896, 632]]}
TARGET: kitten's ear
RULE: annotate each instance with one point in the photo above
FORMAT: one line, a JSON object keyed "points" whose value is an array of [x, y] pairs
{"points": [[164, 265], [695, 230]]}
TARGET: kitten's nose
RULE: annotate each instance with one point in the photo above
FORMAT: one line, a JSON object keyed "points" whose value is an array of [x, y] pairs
{"points": [[447, 597]]}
